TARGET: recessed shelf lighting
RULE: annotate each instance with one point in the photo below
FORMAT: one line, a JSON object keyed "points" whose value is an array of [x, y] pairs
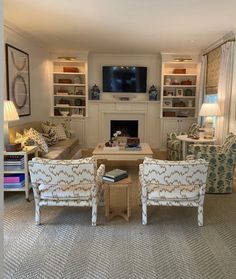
{"points": [[69, 58], [182, 59]]}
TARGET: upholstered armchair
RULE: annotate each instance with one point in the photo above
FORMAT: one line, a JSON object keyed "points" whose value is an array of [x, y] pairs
{"points": [[66, 183], [222, 160], [173, 183], [174, 148]]}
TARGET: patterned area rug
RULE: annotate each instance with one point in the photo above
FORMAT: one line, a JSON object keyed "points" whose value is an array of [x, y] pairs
{"points": [[170, 246]]}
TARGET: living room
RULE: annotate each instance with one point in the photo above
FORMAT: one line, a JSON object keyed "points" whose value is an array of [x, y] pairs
{"points": [[183, 57]]}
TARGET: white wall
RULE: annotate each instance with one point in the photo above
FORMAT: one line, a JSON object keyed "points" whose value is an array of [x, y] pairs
{"points": [[39, 73], [152, 62]]}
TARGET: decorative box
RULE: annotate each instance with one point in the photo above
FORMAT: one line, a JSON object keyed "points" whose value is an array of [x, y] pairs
{"points": [[169, 114], [70, 69], [64, 80], [179, 71], [134, 141]]}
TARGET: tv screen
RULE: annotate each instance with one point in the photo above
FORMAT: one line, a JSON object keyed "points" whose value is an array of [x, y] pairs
{"points": [[124, 79]]}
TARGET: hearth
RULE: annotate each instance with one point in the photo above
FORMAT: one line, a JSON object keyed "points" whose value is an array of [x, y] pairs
{"points": [[128, 128]]}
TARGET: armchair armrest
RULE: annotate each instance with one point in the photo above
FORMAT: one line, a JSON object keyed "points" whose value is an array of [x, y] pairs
{"points": [[140, 174], [100, 173]]}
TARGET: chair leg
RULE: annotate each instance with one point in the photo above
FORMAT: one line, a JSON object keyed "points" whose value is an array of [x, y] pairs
{"points": [[144, 213], [200, 215], [37, 214], [94, 214]]}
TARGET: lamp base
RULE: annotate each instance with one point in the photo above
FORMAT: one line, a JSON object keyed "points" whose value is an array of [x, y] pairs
{"points": [[13, 147]]}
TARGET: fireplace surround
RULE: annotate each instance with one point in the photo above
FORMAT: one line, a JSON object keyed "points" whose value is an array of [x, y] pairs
{"points": [[128, 128]]}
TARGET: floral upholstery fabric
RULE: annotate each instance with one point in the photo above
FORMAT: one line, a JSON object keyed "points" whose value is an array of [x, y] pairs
{"points": [[66, 183], [173, 183], [222, 160], [174, 146]]}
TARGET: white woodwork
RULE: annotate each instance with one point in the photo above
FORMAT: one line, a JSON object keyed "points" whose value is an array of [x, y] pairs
{"points": [[102, 112], [57, 73]]}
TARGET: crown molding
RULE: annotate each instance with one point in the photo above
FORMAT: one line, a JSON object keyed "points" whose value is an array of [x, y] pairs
{"points": [[11, 27], [230, 36]]}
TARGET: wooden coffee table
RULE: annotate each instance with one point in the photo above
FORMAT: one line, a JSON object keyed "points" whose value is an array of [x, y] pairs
{"points": [[121, 185], [100, 153]]}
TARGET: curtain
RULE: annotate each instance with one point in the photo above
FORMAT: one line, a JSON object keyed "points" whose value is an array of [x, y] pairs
{"points": [[202, 81], [225, 89]]}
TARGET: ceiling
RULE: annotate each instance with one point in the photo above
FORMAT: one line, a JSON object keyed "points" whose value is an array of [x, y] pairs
{"points": [[124, 26]]}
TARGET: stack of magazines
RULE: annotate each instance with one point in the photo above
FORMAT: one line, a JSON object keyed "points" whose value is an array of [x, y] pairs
{"points": [[115, 175], [13, 162]]}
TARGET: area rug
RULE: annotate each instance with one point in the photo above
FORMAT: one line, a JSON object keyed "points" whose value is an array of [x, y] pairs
{"points": [[170, 246]]}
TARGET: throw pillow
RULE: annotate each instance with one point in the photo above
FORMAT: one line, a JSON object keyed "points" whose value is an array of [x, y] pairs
{"points": [[46, 127], [66, 126], [38, 139], [50, 137], [60, 132], [24, 140]]}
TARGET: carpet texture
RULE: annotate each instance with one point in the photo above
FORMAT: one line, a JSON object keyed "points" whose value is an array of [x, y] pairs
{"points": [[170, 246]]}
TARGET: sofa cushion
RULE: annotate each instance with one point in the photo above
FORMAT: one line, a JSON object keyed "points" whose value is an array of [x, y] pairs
{"points": [[62, 149]]}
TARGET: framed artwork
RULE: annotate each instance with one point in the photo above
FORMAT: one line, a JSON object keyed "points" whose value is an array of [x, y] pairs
{"points": [[18, 79], [179, 92]]}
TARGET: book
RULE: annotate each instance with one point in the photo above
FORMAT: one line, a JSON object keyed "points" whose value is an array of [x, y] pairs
{"points": [[134, 148], [14, 178], [118, 178], [15, 185], [115, 173], [12, 168]]}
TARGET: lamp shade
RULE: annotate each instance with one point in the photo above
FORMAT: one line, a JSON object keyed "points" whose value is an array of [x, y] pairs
{"points": [[209, 110], [10, 112]]}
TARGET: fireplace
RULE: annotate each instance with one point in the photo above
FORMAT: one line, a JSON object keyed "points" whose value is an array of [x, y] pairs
{"points": [[128, 128]]}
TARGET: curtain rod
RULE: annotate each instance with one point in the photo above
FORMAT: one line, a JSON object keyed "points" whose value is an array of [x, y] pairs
{"points": [[219, 45]]}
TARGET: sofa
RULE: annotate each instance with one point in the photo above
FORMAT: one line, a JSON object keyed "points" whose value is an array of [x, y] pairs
{"points": [[63, 149]]}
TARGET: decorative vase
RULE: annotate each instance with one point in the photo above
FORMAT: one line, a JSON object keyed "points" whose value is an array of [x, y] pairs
{"points": [[153, 93], [95, 92]]}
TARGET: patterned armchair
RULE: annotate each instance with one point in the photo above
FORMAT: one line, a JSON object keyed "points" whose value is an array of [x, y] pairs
{"points": [[173, 183], [66, 183], [174, 149], [222, 160]]}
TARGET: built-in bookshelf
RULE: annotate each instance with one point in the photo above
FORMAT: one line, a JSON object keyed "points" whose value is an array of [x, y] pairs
{"points": [[70, 88]]}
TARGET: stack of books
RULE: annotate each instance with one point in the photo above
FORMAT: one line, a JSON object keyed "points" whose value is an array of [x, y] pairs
{"points": [[133, 148], [14, 181], [13, 162], [115, 175]]}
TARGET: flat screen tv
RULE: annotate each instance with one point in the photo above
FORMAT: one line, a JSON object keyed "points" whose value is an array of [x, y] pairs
{"points": [[124, 79]]}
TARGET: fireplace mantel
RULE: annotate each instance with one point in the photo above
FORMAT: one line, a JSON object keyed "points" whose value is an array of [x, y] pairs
{"points": [[102, 112]]}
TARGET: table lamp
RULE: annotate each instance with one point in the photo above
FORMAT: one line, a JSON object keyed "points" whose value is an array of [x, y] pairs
{"points": [[209, 110], [10, 114]]}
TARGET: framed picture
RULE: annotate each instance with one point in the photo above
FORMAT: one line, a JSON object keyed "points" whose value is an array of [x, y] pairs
{"points": [[168, 103], [179, 92], [18, 79]]}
